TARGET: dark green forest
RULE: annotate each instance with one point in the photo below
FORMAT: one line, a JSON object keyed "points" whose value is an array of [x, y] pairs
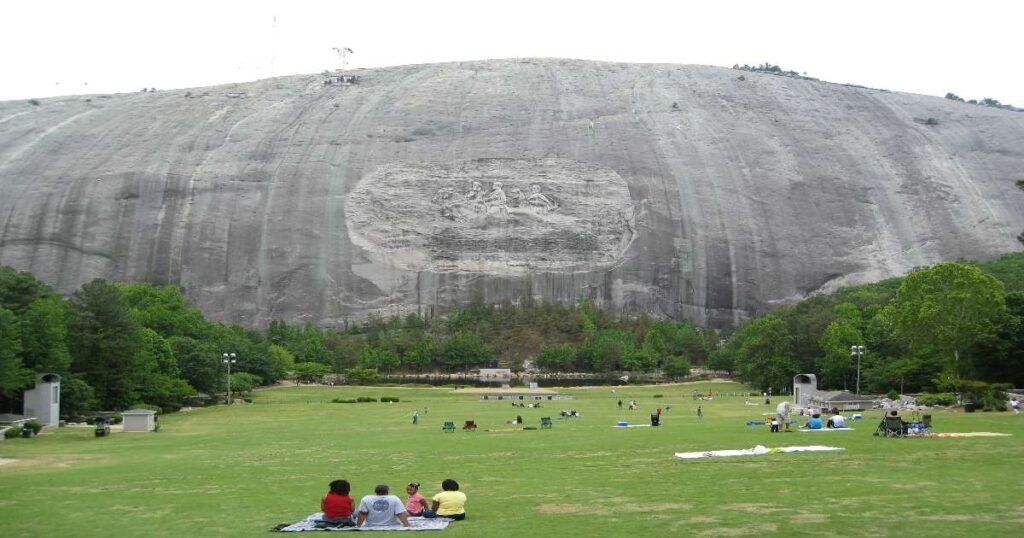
{"points": [[948, 328]]}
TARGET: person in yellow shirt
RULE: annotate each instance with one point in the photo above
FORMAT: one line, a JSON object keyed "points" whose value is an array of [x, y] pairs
{"points": [[451, 502]]}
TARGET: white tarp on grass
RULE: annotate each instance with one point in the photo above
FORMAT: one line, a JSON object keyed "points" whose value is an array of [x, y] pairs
{"points": [[758, 450]]}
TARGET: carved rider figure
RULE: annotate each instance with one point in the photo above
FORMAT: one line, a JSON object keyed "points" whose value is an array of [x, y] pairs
{"points": [[539, 200]]}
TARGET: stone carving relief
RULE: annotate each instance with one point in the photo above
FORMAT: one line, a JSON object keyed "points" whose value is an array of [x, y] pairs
{"points": [[495, 215]]}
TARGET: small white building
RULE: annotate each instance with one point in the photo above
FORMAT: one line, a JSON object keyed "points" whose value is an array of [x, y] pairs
{"points": [[43, 401], [805, 387], [139, 420]]}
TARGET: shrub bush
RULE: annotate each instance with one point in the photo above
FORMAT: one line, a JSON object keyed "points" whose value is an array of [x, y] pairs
{"points": [[342, 400], [941, 398], [389, 399], [12, 431], [149, 407], [658, 396], [35, 425], [365, 399]]}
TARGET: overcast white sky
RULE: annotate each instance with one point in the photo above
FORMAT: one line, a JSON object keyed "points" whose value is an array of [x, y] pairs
{"points": [[61, 47]]}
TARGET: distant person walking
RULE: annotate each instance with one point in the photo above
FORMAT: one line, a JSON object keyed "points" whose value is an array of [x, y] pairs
{"points": [[620, 405], [700, 413], [415, 418], [1015, 405]]}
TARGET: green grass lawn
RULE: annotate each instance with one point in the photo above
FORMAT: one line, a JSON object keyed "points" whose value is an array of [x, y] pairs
{"points": [[240, 470]]}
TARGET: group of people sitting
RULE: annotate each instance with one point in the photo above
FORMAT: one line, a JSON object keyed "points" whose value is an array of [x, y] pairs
{"points": [[815, 423], [385, 510], [784, 409]]}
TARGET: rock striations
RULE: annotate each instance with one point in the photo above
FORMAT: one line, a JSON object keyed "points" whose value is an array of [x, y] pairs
{"points": [[685, 191]]}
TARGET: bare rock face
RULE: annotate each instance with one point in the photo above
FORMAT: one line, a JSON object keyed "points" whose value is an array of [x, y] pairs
{"points": [[688, 192]]}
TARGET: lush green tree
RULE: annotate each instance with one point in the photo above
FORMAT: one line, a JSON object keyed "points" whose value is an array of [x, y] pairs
{"points": [[311, 372], [465, 349], [557, 357], [762, 358], [19, 289], [313, 348], [1009, 269], [722, 360], [76, 396], [279, 333], [244, 382], [106, 344], [603, 349], [947, 307], [199, 363], [379, 359], [422, 355], [283, 361], [13, 375], [44, 336], [361, 376], [838, 368], [1001, 358], [666, 340], [344, 348], [677, 367], [165, 310]]}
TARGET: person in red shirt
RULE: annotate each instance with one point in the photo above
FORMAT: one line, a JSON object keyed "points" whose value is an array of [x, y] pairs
{"points": [[337, 505]]}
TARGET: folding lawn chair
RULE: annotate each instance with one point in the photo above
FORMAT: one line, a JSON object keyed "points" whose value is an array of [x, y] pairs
{"points": [[894, 427], [449, 426], [470, 426], [545, 422]]}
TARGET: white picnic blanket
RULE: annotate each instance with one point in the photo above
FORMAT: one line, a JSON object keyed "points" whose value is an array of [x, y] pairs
{"points": [[415, 524], [758, 450], [964, 434]]}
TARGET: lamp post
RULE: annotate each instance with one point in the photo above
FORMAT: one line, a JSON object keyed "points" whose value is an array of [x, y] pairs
{"points": [[857, 351], [229, 359]]}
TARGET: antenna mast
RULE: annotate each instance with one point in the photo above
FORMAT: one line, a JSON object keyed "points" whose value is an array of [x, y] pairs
{"points": [[343, 53]]}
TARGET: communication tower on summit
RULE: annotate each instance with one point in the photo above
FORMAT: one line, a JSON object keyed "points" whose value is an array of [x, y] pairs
{"points": [[343, 53]]}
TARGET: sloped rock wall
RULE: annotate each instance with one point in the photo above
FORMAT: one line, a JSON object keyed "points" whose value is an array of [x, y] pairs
{"points": [[683, 191]]}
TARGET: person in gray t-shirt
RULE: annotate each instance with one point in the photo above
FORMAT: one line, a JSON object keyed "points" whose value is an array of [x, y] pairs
{"points": [[381, 510]]}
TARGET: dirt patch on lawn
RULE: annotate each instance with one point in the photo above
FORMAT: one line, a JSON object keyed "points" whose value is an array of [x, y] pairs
{"points": [[752, 530], [753, 507], [49, 461], [591, 510]]}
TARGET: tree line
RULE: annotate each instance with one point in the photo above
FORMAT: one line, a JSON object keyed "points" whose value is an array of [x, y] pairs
{"points": [[952, 327], [119, 345]]}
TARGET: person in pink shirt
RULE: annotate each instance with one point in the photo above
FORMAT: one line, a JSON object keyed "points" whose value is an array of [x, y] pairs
{"points": [[415, 504]]}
